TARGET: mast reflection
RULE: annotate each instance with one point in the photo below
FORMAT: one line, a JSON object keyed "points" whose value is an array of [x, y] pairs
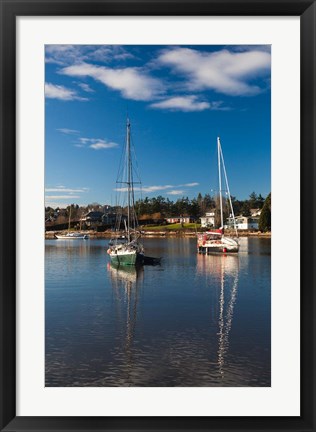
{"points": [[225, 321], [222, 273], [126, 283]]}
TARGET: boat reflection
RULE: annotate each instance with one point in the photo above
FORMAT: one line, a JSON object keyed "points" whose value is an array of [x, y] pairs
{"points": [[214, 265], [126, 283], [223, 274]]}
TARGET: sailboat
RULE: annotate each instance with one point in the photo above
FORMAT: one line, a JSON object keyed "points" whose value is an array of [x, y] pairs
{"points": [[70, 235], [215, 241], [126, 249]]}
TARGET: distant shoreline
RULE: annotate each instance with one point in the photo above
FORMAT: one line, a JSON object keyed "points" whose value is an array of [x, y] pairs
{"points": [[49, 235]]}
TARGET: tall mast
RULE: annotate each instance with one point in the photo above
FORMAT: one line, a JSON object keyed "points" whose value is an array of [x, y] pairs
{"points": [[229, 196], [220, 179], [69, 218], [129, 175]]}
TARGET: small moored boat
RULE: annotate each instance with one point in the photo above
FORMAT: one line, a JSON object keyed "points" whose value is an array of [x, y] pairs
{"points": [[72, 236]]}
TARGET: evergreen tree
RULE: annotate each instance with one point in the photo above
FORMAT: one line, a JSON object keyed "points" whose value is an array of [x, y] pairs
{"points": [[200, 202], [253, 200], [260, 201], [265, 217], [236, 205], [245, 208], [194, 209], [209, 202]]}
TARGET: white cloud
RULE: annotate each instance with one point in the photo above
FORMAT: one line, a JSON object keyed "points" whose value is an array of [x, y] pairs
{"points": [[64, 195], [148, 189], [53, 91], [68, 131], [190, 184], [54, 197], [155, 188], [161, 188], [176, 192], [223, 71], [133, 83], [61, 54], [182, 103], [108, 53], [73, 54], [85, 87], [189, 104], [96, 143], [103, 145], [65, 190]]}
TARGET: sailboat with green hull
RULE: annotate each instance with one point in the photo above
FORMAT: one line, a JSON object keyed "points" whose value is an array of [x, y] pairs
{"points": [[126, 250]]}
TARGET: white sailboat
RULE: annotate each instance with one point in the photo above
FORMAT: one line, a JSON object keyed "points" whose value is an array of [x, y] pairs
{"points": [[126, 249], [215, 241], [70, 235]]}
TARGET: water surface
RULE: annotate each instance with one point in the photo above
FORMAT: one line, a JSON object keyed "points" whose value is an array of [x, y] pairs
{"points": [[193, 321]]}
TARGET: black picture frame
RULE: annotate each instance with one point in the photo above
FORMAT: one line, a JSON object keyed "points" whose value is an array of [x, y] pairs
{"points": [[10, 9]]}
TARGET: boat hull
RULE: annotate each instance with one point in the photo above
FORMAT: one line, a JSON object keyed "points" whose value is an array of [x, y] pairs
{"points": [[71, 237], [126, 259], [217, 245], [216, 250]]}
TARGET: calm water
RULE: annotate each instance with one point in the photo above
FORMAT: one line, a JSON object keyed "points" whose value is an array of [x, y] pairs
{"points": [[193, 321]]}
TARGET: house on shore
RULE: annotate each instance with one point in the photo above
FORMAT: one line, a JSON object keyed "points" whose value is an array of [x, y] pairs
{"points": [[243, 223], [96, 217], [255, 212], [208, 221], [180, 219], [92, 218]]}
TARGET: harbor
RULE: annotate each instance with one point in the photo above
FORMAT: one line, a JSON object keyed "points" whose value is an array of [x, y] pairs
{"points": [[193, 320], [50, 235]]}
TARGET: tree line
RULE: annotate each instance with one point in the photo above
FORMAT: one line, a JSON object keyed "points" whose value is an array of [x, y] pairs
{"points": [[195, 207], [160, 207]]}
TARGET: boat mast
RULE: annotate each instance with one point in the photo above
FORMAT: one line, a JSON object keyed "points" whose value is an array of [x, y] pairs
{"points": [[69, 218], [220, 180], [228, 191], [129, 175]]}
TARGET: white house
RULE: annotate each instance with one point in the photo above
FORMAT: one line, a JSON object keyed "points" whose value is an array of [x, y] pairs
{"points": [[244, 223], [208, 221], [180, 219]]}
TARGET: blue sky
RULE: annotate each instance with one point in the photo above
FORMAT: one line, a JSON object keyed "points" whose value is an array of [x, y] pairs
{"points": [[178, 99]]}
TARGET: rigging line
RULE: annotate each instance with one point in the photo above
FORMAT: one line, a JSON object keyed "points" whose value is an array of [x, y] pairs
{"points": [[213, 174], [133, 198], [121, 163], [220, 180], [135, 170], [135, 166], [227, 185]]}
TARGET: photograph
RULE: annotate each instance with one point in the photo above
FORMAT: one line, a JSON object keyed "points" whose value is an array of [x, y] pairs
{"points": [[142, 146], [158, 215]]}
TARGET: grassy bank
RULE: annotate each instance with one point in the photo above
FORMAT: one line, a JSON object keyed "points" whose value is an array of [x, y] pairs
{"points": [[172, 227]]}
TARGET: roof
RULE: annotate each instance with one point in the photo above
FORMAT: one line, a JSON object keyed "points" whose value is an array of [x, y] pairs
{"points": [[255, 211]]}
